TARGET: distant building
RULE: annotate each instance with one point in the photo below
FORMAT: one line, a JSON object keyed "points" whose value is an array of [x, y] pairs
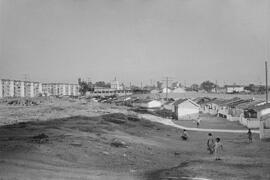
{"points": [[166, 90], [230, 89], [154, 91], [116, 85], [179, 90], [17, 88], [60, 89], [101, 91], [159, 85], [147, 104]]}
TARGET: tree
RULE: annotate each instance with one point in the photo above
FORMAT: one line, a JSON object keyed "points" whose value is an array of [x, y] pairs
{"points": [[84, 86], [102, 84], [194, 87], [208, 86], [251, 88]]}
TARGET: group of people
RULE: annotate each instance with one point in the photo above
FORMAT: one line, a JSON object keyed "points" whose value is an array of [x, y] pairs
{"points": [[214, 145]]}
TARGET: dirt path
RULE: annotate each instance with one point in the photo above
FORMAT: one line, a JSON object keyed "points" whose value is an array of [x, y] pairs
{"points": [[169, 122]]}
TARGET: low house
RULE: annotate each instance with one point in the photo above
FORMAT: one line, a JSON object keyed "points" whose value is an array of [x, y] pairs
{"points": [[154, 91], [233, 111], [147, 104], [251, 116], [166, 90], [223, 110], [202, 101], [230, 89], [186, 109], [179, 90], [213, 106], [168, 105], [264, 118]]}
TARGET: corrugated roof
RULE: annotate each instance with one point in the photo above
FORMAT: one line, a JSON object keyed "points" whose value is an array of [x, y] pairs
{"points": [[248, 104], [242, 101], [261, 107], [202, 100], [227, 102], [217, 101]]}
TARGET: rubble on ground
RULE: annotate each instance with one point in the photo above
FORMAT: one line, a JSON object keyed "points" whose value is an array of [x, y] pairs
{"points": [[119, 143], [41, 138]]}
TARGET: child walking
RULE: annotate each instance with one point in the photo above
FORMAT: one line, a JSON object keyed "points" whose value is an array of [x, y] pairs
{"points": [[249, 136], [218, 149]]}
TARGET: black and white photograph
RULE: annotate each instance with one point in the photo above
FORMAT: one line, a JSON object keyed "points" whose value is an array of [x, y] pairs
{"points": [[134, 90]]}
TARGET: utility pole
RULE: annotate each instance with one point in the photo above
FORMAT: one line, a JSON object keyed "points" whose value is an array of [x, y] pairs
{"points": [[167, 79], [266, 82], [216, 86]]}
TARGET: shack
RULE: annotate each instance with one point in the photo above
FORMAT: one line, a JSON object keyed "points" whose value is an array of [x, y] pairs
{"points": [[186, 109]]}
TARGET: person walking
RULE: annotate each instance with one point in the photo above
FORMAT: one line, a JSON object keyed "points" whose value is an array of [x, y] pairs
{"points": [[198, 122], [210, 143], [249, 136], [218, 149]]}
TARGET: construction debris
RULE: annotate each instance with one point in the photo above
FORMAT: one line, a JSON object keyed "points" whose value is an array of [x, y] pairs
{"points": [[118, 143], [41, 138]]}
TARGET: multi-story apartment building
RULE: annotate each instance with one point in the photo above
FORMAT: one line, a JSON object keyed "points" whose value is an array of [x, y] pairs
{"points": [[19, 90], [7, 88], [16, 88]]}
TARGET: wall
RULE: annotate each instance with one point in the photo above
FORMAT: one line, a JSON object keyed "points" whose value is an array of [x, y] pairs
{"points": [[1, 89], [250, 122]]}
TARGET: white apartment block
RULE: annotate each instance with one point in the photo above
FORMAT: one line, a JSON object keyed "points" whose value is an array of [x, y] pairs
{"points": [[16, 88]]}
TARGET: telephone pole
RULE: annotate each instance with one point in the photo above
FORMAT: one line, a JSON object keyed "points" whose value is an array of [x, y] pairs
{"points": [[266, 82], [167, 80]]}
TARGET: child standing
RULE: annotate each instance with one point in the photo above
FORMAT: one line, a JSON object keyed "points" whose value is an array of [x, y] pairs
{"points": [[218, 149], [249, 136], [198, 122], [184, 135]]}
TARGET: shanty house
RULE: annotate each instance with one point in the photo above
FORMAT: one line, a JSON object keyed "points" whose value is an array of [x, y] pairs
{"points": [[147, 104], [251, 116], [186, 109], [166, 90], [202, 101], [223, 110], [234, 112], [264, 119], [230, 89], [213, 106], [169, 105]]}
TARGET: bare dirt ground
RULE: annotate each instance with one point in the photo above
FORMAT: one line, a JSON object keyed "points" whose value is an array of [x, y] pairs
{"points": [[76, 139], [212, 122]]}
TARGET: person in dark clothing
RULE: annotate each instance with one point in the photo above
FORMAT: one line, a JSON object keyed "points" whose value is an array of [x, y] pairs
{"points": [[249, 136]]}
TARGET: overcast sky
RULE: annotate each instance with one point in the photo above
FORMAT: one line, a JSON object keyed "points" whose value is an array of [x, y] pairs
{"points": [[135, 40]]}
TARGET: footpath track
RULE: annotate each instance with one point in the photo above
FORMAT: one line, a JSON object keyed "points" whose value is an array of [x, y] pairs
{"points": [[169, 122]]}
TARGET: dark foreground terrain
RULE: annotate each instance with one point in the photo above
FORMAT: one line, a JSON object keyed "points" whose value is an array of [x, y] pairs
{"points": [[106, 144]]}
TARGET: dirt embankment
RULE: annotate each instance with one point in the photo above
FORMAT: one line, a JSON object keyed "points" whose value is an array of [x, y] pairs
{"points": [[81, 140]]}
